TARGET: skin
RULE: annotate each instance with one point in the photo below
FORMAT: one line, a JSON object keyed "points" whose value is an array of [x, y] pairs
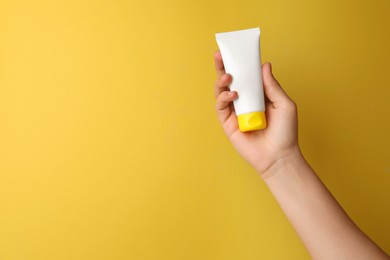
{"points": [[323, 226]]}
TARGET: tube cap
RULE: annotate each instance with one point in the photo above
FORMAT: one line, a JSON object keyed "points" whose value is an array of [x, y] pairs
{"points": [[252, 121]]}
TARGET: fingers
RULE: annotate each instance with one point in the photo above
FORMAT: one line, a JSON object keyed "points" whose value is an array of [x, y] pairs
{"points": [[223, 79], [221, 92], [219, 67], [223, 104], [272, 88], [221, 84]]}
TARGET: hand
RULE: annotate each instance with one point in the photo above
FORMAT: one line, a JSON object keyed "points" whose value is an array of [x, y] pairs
{"points": [[260, 148]]}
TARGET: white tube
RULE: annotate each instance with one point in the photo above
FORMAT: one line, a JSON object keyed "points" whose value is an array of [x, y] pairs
{"points": [[240, 52]]}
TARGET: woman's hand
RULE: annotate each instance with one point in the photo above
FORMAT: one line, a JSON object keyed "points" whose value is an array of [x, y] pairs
{"points": [[260, 148]]}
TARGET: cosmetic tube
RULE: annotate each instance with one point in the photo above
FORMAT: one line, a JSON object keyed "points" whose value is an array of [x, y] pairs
{"points": [[240, 51]]}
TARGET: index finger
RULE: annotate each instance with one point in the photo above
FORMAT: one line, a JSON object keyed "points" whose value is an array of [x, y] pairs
{"points": [[219, 67]]}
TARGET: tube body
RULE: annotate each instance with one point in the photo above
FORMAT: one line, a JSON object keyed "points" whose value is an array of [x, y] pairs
{"points": [[240, 52]]}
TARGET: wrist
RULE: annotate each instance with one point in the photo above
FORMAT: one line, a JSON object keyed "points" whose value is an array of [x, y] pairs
{"points": [[284, 164]]}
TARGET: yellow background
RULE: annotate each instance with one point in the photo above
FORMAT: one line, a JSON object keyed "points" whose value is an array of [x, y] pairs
{"points": [[110, 147]]}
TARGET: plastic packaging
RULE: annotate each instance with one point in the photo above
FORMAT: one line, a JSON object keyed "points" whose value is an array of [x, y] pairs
{"points": [[240, 52]]}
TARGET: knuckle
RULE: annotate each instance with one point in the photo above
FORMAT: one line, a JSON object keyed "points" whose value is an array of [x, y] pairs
{"points": [[219, 106], [225, 95], [222, 99], [216, 82], [220, 83]]}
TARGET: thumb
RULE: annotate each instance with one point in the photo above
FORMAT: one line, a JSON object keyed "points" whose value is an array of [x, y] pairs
{"points": [[272, 88]]}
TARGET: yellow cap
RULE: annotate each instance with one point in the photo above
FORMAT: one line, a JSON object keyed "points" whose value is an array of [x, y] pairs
{"points": [[252, 121]]}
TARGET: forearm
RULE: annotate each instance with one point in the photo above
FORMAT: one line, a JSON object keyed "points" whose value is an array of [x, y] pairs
{"points": [[323, 226]]}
